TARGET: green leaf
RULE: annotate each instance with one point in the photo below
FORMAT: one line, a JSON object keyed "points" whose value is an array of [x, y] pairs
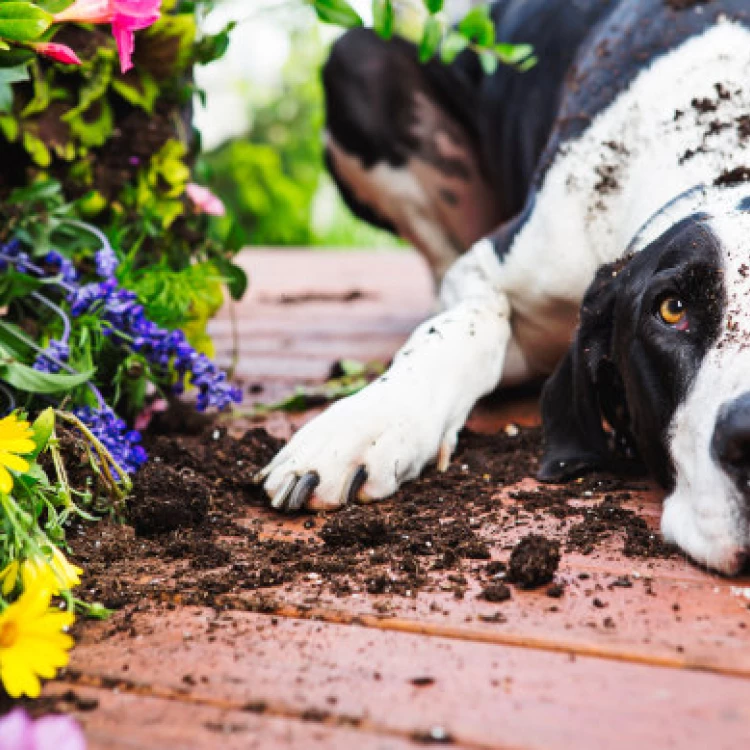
{"points": [[431, 38], [32, 381], [383, 18], [234, 277], [54, 6], [14, 74], [9, 76], [338, 13], [477, 27], [36, 149], [23, 22], [513, 54], [434, 6], [15, 56], [43, 427], [9, 128], [453, 45], [212, 47], [139, 90], [489, 61], [38, 191]]}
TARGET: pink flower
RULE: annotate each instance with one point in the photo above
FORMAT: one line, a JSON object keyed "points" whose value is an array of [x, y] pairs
{"points": [[204, 200], [126, 17], [60, 52], [19, 732]]}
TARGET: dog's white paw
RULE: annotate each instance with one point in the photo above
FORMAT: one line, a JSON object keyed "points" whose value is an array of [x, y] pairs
{"points": [[364, 447]]}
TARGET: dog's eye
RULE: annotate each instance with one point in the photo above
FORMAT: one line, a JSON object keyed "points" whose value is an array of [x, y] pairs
{"points": [[672, 311]]}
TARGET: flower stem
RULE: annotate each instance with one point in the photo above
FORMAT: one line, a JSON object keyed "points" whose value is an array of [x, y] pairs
{"points": [[105, 457]]}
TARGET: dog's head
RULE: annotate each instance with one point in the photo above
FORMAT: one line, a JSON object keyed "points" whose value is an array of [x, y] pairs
{"points": [[662, 354]]}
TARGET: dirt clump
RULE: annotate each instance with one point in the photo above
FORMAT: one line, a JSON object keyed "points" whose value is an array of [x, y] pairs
{"points": [[360, 532], [497, 592], [533, 561], [165, 499], [735, 176]]}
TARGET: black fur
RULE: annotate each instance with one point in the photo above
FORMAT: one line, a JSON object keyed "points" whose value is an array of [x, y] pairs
{"points": [[627, 366]]}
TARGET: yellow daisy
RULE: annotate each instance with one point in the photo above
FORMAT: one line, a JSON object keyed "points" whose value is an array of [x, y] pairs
{"points": [[56, 574], [15, 438], [32, 642]]}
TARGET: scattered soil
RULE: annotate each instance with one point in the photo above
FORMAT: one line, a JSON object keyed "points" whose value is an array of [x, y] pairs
{"points": [[685, 4], [199, 531], [533, 561], [734, 176], [305, 298]]}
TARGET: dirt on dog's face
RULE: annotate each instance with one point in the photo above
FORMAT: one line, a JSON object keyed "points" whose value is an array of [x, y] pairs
{"points": [[663, 355]]}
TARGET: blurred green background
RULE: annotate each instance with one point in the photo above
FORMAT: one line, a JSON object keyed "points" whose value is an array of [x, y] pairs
{"points": [[262, 125]]}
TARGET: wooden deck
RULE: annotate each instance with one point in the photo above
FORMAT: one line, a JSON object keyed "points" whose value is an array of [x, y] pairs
{"points": [[663, 663]]}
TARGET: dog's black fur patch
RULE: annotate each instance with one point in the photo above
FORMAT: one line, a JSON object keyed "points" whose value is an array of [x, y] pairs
{"points": [[625, 365]]}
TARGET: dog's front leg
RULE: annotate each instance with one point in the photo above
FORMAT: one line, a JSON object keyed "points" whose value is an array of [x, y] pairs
{"points": [[365, 446]]}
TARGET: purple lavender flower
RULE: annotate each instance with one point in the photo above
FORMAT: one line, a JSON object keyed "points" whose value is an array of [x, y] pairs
{"points": [[19, 732], [56, 350], [8, 254], [113, 433], [64, 266], [161, 347], [106, 262], [168, 351]]}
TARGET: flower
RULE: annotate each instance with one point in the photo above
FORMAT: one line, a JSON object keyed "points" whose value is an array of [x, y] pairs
{"points": [[56, 573], [204, 200], [47, 361], [15, 438], [32, 642], [60, 52], [126, 17], [20, 732], [62, 265], [120, 308], [106, 262], [113, 433]]}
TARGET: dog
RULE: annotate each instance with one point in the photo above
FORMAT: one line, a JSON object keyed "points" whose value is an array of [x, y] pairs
{"points": [[588, 219]]}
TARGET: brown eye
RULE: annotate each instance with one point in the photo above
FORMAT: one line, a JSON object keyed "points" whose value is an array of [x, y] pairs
{"points": [[672, 311]]}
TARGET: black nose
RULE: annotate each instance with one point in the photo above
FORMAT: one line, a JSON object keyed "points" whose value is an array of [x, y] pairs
{"points": [[731, 441]]}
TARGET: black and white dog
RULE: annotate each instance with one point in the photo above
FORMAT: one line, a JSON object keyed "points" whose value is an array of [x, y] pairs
{"points": [[614, 170]]}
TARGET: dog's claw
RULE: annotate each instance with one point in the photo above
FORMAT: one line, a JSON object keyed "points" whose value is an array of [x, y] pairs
{"points": [[354, 485], [302, 491], [279, 499]]}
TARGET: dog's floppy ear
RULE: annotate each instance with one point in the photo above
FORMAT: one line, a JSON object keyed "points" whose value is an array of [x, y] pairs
{"points": [[584, 388]]}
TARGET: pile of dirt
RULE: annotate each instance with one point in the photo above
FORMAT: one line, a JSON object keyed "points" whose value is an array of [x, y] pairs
{"points": [[533, 561], [200, 532]]}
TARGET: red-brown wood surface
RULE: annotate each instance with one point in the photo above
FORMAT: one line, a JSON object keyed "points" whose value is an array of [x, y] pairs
{"points": [[664, 663]]}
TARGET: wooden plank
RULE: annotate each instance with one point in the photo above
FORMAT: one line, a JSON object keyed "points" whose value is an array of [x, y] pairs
{"points": [[396, 684], [124, 720]]}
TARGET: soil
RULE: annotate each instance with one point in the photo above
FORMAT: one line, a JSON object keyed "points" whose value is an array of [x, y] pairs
{"points": [[734, 176], [191, 538], [685, 4], [533, 561]]}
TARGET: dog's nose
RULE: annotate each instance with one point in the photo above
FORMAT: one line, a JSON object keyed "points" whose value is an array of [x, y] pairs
{"points": [[731, 440]]}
